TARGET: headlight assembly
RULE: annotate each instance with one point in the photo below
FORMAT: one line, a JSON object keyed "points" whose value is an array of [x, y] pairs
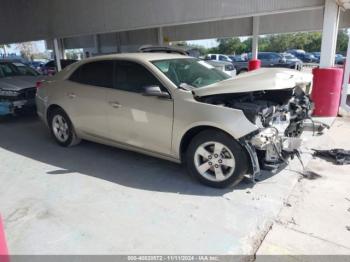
{"points": [[8, 93]]}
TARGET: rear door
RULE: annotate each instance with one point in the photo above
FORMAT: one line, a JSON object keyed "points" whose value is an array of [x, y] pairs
{"points": [[87, 96]]}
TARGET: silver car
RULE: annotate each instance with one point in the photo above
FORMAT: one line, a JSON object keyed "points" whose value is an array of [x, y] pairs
{"points": [[17, 87], [180, 109]]}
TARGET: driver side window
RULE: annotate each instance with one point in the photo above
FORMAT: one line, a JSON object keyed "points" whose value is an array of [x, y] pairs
{"points": [[132, 77]]}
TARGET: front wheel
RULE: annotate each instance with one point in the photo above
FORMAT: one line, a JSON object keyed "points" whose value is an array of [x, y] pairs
{"points": [[62, 129], [216, 159]]}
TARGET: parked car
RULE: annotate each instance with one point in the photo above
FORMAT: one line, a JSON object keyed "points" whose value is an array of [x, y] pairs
{"points": [[17, 87], [218, 57], [240, 63], [37, 65], [50, 67], [304, 56], [273, 59], [292, 61], [177, 108], [317, 55], [339, 59], [223, 66]]}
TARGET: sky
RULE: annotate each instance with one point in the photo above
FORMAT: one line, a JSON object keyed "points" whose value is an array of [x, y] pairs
{"points": [[208, 43], [38, 45]]}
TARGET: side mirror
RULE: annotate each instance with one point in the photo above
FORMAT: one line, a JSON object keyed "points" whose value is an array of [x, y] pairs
{"points": [[155, 91]]}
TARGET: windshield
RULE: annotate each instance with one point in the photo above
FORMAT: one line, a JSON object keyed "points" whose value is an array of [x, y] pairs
{"points": [[190, 71], [16, 69]]}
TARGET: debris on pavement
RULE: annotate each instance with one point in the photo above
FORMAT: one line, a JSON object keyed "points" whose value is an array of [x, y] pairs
{"points": [[337, 156], [311, 175]]}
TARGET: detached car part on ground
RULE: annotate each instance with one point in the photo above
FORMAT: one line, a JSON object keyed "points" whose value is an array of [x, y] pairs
{"points": [[180, 109], [17, 88]]}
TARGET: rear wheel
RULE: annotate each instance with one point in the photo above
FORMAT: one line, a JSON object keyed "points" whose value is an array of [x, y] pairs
{"points": [[62, 129], [243, 70], [216, 159]]}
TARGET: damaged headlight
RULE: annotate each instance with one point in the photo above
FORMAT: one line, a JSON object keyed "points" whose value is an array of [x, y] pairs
{"points": [[8, 93]]}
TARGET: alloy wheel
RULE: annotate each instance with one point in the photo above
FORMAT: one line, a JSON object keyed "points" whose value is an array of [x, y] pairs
{"points": [[60, 128], [214, 161]]}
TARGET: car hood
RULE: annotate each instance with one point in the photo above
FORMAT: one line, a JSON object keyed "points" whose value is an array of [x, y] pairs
{"points": [[257, 80], [17, 83], [294, 60]]}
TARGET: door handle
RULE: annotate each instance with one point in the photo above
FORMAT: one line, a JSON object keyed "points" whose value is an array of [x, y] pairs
{"points": [[71, 95], [115, 104]]}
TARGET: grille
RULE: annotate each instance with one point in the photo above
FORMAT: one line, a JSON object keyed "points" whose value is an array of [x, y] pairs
{"points": [[28, 93]]}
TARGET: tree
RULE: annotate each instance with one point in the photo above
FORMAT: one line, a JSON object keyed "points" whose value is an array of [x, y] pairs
{"points": [[343, 39], [231, 46], [27, 50]]}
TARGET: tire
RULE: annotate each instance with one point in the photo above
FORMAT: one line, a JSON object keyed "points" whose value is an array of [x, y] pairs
{"points": [[60, 123], [233, 165], [242, 71]]}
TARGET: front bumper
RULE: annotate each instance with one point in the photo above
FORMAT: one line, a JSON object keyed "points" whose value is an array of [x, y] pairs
{"points": [[12, 107], [268, 149]]}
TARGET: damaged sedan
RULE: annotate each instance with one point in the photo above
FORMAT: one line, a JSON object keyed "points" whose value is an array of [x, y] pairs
{"points": [[180, 109], [17, 88]]}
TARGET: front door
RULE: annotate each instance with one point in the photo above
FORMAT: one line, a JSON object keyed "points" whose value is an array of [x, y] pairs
{"points": [[134, 119]]}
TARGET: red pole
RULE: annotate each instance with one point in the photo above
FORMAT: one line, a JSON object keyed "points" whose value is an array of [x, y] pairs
{"points": [[4, 257], [254, 64]]}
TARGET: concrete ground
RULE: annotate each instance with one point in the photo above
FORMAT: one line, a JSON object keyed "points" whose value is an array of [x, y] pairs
{"points": [[316, 217], [94, 199]]}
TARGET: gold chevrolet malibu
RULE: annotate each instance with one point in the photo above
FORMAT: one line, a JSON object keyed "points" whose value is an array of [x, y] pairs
{"points": [[182, 109]]}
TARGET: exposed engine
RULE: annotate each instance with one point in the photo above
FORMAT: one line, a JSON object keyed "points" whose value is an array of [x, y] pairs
{"points": [[279, 114]]}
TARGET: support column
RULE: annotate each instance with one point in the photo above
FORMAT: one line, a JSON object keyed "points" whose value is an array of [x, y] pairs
{"points": [[160, 36], [329, 34], [255, 42], [61, 48], [57, 54], [255, 63], [118, 42], [97, 44]]}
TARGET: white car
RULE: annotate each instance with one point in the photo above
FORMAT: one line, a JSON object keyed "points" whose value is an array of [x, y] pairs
{"points": [[218, 57], [223, 66], [180, 109]]}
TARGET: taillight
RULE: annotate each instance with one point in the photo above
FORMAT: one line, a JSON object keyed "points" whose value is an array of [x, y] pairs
{"points": [[39, 84]]}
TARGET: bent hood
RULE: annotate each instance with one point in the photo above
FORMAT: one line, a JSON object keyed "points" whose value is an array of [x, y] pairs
{"points": [[258, 80], [18, 83]]}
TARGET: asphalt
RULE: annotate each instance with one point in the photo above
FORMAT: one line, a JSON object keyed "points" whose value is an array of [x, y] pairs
{"points": [[95, 199]]}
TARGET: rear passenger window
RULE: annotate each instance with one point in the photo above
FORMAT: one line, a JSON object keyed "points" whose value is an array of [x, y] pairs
{"points": [[223, 58], [99, 73], [133, 77]]}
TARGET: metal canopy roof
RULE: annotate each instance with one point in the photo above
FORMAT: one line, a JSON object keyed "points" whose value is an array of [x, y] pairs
{"points": [[26, 20]]}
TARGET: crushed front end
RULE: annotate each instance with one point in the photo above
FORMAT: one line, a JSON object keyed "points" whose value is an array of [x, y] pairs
{"points": [[15, 101], [281, 120], [279, 116]]}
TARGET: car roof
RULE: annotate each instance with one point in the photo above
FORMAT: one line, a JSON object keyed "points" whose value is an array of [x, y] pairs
{"points": [[139, 56]]}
